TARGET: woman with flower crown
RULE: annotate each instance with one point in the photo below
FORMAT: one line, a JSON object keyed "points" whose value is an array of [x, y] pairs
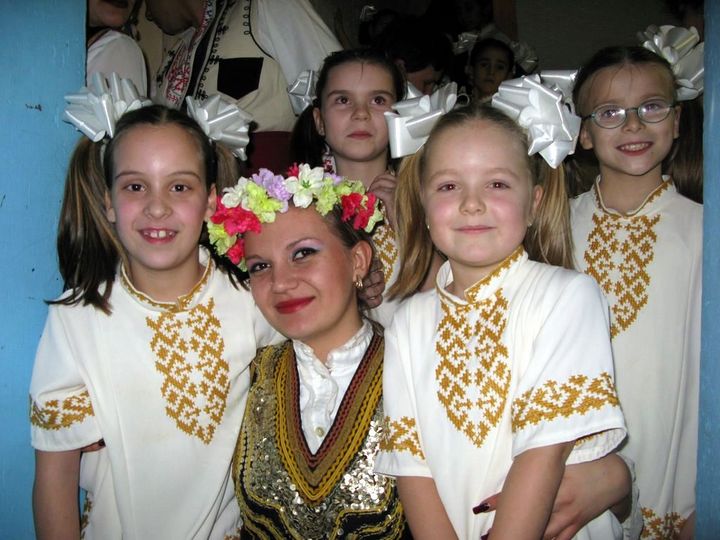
{"points": [[304, 461]]}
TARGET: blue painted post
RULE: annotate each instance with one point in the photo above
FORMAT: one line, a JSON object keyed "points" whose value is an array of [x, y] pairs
{"points": [[42, 55], [708, 482]]}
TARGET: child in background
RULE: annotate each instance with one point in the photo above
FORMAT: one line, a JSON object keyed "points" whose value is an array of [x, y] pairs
{"points": [[504, 372], [491, 63], [346, 132], [642, 241], [148, 350], [305, 457]]}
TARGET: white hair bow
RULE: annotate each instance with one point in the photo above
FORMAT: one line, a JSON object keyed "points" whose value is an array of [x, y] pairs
{"points": [[684, 50], [96, 108], [302, 91], [222, 121], [410, 126], [541, 104]]}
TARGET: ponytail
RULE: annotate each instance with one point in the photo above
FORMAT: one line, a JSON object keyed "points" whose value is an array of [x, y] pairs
{"points": [[306, 143], [88, 248], [413, 238], [685, 161], [549, 239]]}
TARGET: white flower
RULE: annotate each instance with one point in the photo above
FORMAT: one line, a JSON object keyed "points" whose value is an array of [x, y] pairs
{"points": [[304, 187], [236, 195]]}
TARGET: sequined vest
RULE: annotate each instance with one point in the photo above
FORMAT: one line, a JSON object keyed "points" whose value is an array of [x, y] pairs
{"points": [[284, 490]]}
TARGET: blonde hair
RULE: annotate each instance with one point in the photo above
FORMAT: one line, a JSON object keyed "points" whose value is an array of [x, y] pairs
{"points": [[548, 240]]}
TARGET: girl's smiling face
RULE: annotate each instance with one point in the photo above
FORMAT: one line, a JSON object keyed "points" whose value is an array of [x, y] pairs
{"points": [[158, 203], [352, 114], [478, 197], [302, 278], [636, 148]]}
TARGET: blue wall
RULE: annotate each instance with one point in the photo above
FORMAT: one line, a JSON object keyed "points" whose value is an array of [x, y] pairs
{"points": [[708, 485], [42, 53]]}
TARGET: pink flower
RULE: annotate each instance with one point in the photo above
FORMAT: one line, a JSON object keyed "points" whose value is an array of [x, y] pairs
{"points": [[237, 252], [235, 220], [350, 204], [293, 170], [364, 213]]}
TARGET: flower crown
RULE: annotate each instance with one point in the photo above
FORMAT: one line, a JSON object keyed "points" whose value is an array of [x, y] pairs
{"points": [[257, 200]]}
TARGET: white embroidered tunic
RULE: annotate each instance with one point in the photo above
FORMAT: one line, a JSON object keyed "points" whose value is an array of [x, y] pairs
{"points": [[649, 264], [164, 384], [522, 361]]}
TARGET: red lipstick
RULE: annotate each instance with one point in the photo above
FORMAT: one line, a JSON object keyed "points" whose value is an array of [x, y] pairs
{"points": [[293, 305]]}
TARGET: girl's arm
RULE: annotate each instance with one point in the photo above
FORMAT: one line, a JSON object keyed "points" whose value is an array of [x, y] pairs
{"points": [[529, 491], [424, 511], [55, 495]]}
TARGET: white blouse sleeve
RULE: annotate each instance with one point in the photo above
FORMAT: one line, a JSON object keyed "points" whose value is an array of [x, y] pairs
{"points": [[61, 413], [401, 452], [567, 392], [293, 34]]}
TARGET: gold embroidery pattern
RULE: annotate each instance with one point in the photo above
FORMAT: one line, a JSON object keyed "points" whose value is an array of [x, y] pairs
{"points": [[386, 248], [85, 517], [473, 398], [401, 435], [578, 395], [189, 354], [657, 527], [56, 415], [618, 255]]}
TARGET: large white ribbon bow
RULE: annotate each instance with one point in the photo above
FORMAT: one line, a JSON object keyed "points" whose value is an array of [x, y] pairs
{"points": [[96, 108], [222, 121], [544, 110], [684, 50], [302, 91], [410, 126]]}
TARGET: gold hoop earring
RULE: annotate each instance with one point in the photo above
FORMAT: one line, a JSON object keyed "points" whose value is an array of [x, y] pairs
{"points": [[358, 283]]}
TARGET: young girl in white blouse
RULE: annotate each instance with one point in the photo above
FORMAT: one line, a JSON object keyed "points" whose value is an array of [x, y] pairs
{"points": [[502, 374], [638, 233], [148, 349]]}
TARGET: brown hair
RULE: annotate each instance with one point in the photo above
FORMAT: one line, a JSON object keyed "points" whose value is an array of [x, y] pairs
{"points": [[548, 240], [89, 250]]}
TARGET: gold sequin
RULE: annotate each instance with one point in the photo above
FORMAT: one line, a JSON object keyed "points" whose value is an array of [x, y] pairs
{"points": [[400, 436], [657, 527], [55, 414], [189, 349], [578, 395]]}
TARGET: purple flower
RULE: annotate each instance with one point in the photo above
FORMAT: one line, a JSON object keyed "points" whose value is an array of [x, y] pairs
{"points": [[273, 184]]}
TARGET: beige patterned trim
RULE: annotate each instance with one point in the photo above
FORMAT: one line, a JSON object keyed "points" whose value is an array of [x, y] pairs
{"points": [[401, 436], [56, 414], [182, 303], [579, 395], [652, 196], [657, 527]]}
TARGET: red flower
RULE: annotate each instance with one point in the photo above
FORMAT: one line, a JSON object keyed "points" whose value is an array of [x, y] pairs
{"points": [[235, 220], [237, 252], [364, 213], [350, 204], [293, 170]]}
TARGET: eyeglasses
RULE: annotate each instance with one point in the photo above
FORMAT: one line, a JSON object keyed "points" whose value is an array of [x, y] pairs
{"points": [[612, 116]]}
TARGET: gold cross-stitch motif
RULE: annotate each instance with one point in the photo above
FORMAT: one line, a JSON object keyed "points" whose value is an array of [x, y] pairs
{"points": [[55, 414], [578, 395], [618, 256], [189, 354], [657, 527], [473, 397], [386, 248], [401, 435]]}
